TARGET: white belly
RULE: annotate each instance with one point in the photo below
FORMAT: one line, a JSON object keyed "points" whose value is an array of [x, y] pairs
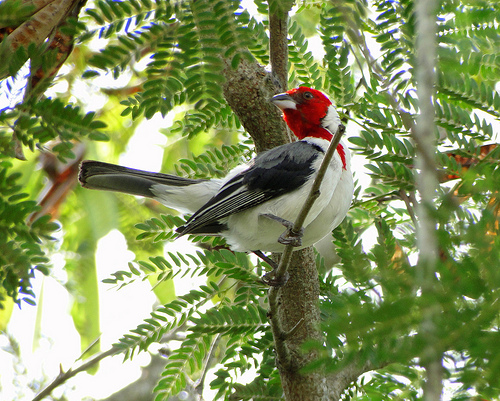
{"points": [[252, 231]]}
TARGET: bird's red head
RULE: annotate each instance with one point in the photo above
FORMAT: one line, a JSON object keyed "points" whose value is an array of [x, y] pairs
{"points": [[308, 112]]}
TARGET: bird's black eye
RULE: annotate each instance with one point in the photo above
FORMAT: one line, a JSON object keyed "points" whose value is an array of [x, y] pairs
{"points": [[308, 95]]}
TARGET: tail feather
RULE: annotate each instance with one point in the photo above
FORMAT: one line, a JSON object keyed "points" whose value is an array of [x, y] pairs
{"points": [[110, 177]]}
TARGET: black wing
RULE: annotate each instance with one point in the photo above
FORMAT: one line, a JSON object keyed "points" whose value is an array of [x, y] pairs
{"points": [[273, 173]]}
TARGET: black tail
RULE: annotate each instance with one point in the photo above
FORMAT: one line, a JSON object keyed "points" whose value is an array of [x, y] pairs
{"points": [[110, 177]]}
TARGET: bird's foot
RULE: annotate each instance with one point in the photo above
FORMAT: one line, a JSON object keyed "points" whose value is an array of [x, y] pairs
{"points": [[271, 279], [266, 259], [289, 237]]}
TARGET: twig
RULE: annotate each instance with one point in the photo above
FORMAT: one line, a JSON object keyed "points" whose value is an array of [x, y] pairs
{"points": [[278, 333], [409, 207], [65, 376], [311, 198], [208, 361]]}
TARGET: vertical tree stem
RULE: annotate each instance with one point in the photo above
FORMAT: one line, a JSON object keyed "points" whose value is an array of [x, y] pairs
{"points": [[278, 47], [431, 356]]}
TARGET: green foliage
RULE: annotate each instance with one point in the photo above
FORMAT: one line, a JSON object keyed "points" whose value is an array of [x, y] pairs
{"points": [[39, 122], [305, 70], [371, 303], [214, 162], [13, 13], [21, 247]]}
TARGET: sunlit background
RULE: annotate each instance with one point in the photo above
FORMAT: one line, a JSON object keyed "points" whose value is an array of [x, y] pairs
{"points": [[41, 357]]}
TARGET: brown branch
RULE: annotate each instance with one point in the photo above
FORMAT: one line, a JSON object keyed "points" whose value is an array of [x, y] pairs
{"points": [[65, 376], [279, 334], [278, 48]]}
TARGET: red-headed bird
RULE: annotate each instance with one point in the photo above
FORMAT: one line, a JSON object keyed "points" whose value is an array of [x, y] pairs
{"points": [[247, 205]]}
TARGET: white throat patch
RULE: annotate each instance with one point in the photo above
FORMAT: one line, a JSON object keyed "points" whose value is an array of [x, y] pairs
{"points": [[331, 120]]}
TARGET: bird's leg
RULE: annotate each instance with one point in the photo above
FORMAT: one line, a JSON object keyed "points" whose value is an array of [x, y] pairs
{"points": [[289, 237], [270, 278], [266, 259]]}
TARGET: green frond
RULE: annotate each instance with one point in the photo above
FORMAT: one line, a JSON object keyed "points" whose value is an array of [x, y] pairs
{"points": [[460, 123], [215, 162], [120, 17], [258, 41], [130, 47], [186, 64], [211, 263], [231, 320], [339, 78], [475, 64], [188, 357], [305, 70], [472, 26], [39, 122], [257, 390], [465, 89], [355, 263], [22, 251], [165, 319]]}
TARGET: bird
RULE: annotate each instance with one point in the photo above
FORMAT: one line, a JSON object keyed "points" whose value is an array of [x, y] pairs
{"points": [[250, 205]]}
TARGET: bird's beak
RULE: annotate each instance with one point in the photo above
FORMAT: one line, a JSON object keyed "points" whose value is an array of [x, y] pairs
{"points": [[284, 101]]}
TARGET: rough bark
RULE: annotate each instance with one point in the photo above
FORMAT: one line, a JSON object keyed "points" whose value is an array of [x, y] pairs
{"points": [[247, 90], [298, 301]]}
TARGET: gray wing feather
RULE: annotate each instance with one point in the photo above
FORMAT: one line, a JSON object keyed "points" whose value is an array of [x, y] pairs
{"points": [[274, 173]]}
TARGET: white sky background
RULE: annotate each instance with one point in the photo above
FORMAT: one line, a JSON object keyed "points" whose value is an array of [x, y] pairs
{"points": [[60, 344]]}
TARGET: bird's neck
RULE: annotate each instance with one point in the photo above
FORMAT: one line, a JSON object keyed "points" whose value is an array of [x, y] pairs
{"points": [[319, 124], [302, 129], [341, 150]]}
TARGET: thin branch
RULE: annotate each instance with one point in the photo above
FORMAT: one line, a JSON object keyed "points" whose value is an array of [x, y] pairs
{"points": [[65, 376], [278, 333], [409, 207], [208, 363], [311, 198]]}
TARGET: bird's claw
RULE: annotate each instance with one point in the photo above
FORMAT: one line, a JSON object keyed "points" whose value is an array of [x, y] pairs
{"points": [[272, 280], [289, 237]]}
